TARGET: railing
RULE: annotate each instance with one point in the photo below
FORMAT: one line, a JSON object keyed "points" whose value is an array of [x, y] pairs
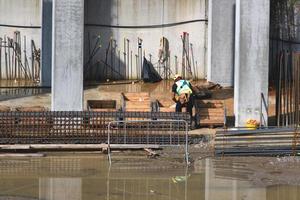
{"points": [[149, 132], [263, 105]]}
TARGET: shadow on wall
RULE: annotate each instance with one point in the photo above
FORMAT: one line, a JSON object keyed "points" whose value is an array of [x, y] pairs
{"points": [[102, 55]]}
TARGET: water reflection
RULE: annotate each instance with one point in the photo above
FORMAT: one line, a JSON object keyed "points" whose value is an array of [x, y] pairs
{"points": [[10, 89], [90, 177]]}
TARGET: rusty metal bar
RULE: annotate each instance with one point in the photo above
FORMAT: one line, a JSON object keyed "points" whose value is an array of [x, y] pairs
{"points": [[74, 127]]}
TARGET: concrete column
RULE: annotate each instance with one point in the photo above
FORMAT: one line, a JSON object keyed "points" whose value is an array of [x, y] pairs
{"points": [[67, 55], [221, 41], [251, 59], [47, 10]]}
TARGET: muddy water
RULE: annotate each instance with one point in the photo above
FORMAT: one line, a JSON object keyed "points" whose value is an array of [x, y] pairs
{"points": [[90, 177]]}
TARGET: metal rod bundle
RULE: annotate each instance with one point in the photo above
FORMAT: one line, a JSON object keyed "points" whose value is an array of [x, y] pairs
{"points": [[287, 89], [14, 60], [264, 142]]}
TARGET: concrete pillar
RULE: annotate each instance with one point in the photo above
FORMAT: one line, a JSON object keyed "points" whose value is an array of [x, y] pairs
{"points": [[67, 55], [47, 10], [221, 41], [251, 59]]}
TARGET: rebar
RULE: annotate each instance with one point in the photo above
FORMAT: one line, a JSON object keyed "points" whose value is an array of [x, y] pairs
{"points": [[76, 127]]}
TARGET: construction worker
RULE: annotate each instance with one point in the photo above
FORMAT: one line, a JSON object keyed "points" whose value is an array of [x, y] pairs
{"points": [[182, 94]]}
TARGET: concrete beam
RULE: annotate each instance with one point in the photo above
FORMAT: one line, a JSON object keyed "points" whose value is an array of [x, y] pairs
{"points": [[251, 59], [67, 55], [47, 10], [221, 33]]}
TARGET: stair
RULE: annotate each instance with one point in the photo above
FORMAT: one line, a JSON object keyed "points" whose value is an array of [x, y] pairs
{"points": [[210, 113]]}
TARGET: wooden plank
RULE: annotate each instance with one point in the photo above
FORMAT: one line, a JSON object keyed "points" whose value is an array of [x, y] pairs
{"points": [[129, 106], [211, 111], [138, 110], [212, 121], [77, 146], [103, 110], [21, 155], [4, 108], [255, 142], [224, 138], [31, 109], [164, 109], [134, 94]]}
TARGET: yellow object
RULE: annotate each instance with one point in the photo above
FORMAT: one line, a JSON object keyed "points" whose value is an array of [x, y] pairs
{"points": [[251, 124], [177, 76]]}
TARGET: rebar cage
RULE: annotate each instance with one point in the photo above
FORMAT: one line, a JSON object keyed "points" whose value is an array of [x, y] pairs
{"points": [[76, 127]]}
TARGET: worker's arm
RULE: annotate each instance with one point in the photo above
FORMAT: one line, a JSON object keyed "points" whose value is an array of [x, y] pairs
{"points": [[174, 97], [174, 87], [190, 85]]}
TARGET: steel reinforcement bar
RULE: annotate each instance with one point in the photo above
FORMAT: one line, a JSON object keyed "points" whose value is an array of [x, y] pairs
{"points": [[75, 127]]}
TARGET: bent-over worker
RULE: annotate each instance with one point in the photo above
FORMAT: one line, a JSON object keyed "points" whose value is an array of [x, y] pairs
{"points": [[182, 94]]}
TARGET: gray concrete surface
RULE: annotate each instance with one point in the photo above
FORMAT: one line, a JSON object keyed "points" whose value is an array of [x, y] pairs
{"points": [[121, 19], [23, 16], [46, 42], [133, 18], [251, 58], [221, 35], [67, 55]]}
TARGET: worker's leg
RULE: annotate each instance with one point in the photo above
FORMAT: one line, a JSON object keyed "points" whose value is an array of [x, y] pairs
{"points": [[190, 105], [178, 107]]}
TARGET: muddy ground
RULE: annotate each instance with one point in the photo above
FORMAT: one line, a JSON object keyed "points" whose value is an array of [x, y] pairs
{"points": [[260, 171]]}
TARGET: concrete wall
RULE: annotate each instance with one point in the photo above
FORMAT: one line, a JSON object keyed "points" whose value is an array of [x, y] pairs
{"points": [[131, 19], [135, 17], [221, 35], [251, 59], [23, 16]]}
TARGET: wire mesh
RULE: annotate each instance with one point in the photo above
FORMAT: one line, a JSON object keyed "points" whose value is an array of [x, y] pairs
{"points": [[69, 127], [149, 132]]}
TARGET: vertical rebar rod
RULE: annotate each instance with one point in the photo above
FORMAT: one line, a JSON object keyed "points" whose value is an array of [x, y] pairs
{"points": [[140, 47], [125, 63], [128, 58], [9, 59], [136, 65], [6, 63], [131, 64], [0, 58], [176, 65], [119, 63]]}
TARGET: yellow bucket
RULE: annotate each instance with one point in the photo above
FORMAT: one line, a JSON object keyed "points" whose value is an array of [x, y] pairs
{"points": [[251, 124]]}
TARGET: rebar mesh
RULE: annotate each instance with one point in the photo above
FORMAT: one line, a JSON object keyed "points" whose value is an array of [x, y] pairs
{"points": [[73, 127]]}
